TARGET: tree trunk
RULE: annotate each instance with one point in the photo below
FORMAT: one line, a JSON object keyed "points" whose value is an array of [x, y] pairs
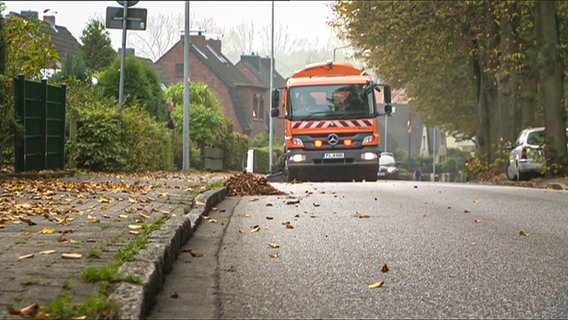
{"points": [[550, 68], [492, 103], [482, 134]]}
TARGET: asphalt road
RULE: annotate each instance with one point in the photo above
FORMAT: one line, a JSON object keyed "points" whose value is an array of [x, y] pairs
{"points": [[452, 251]]}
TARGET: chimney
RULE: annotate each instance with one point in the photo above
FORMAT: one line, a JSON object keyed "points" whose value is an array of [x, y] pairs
{"points": [[50, 20], [198, 39], [215, 44], [29, 14]]}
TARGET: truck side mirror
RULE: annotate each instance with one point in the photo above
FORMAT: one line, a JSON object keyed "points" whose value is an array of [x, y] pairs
{"points": [[387, 95], [388, 109], [275, 103]]}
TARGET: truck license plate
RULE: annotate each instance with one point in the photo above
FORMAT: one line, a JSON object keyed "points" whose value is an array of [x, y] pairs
{"points": [[333, 155]]}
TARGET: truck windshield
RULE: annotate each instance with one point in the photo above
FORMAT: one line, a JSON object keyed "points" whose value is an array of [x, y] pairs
{"points": [[330, 102]]}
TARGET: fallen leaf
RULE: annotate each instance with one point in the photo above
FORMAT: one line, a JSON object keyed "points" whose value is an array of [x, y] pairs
{"points": [[200, 203], [174, 295], [292, 201], [29, 311], [273, 245], [134, 226], [104, 200], [466, 211], [28, 221], [47, 252], [269, 218], [385, 268], [47, 231], [523, 233], [255, 228], [477, 221], [274, 255], [26, 256], [289, 226], [377, 284], [71, 255], [196, 254]]}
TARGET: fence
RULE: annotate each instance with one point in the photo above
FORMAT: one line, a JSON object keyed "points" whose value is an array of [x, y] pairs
{"points": [[40, 108]]}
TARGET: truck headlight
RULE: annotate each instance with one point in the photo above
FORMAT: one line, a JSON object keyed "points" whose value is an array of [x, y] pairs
{"points": [[297, 158]]}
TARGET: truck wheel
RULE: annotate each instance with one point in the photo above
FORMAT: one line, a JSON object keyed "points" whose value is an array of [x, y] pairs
{"points": [[291, 175]]}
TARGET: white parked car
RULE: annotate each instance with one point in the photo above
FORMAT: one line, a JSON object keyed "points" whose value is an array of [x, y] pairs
{"points": [[526, 157]]}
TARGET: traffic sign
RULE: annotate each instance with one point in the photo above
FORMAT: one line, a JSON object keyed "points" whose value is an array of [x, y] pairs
{"points": [[136, 19]]}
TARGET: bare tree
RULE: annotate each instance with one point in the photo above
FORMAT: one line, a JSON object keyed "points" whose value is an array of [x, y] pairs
{"points": [[161, 33]]}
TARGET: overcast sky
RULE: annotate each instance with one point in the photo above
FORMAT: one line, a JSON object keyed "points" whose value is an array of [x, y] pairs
{"points": [[304, 19]]}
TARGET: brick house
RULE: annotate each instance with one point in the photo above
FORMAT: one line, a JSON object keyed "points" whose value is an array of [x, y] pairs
{"points": [[244, 94], [257, 70]]}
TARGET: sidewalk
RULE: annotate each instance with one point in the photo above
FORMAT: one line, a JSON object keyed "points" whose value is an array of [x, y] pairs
{"points": [[52, 229]]}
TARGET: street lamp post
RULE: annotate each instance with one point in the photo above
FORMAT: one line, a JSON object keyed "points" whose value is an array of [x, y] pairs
{"points": [[335, 49]]}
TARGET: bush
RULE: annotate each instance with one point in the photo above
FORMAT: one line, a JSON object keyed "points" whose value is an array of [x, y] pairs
{"points": [[100, 144], [235, 148]]}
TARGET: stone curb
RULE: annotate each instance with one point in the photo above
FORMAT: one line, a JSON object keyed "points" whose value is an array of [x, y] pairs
{"points": [[153, 263]]}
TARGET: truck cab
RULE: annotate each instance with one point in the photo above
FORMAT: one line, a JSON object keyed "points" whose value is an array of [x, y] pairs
{"points": [[331, 128]]}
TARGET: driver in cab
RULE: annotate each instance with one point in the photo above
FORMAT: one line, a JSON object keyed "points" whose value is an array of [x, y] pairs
{"points": [[303, 103]]}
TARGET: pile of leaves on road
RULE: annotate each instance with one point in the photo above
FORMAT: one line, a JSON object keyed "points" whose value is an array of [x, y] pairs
{"points": [[247, 183]]}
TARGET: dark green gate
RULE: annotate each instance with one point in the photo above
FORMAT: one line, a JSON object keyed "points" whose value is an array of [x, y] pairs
{"points": [[41, 110]]}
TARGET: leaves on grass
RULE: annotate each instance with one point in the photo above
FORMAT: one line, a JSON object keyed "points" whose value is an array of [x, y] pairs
{"points": [[26, 312]]}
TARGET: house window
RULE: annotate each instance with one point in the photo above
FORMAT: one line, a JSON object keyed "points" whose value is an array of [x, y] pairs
{"points": [[258, 107], [179, 69]]}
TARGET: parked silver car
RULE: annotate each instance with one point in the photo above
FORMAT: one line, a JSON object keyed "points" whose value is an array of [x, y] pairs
{"points": [[526, 157]]}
